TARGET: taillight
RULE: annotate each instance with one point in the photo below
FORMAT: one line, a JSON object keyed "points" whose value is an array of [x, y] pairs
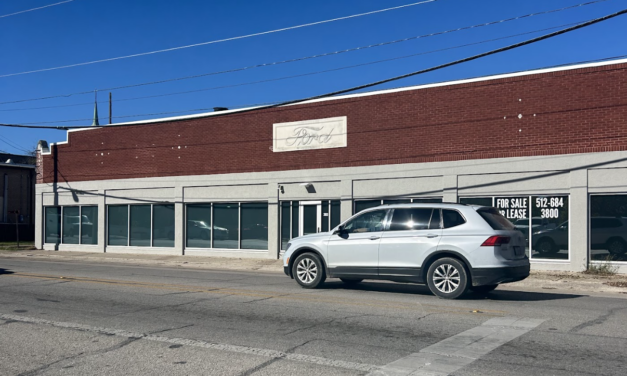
{"points": [[495, 240]]}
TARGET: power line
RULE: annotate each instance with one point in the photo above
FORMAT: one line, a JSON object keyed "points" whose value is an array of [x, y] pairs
{"points": [[312, 56], [222, 40], [30, 10], [283, 78], [365, 86]]}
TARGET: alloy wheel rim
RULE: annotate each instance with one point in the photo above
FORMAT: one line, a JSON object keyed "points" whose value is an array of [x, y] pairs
{"points": [[446, 278], [307, 271]]}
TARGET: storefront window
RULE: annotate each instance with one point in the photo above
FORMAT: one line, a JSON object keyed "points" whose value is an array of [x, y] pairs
{"points": [[295, 218], [516, 210], [199, 226], [140, 225], [226, 225], [89, 225], [483, 201], [71, 225], [53, 225], [549, 227], [117, 225], [335, 214], [608, 228], [255, 226], [163, 226], [366, 204], [285, 224]]}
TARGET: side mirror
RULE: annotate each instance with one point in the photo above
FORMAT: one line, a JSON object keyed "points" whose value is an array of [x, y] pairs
{"points": [[339, 230]]}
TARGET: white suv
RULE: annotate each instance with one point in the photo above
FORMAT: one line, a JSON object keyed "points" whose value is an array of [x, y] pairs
{"points": [[450, 247]]}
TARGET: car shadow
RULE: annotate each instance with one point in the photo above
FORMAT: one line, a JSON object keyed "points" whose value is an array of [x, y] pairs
{"points": [[416, 289], [5, 271]]}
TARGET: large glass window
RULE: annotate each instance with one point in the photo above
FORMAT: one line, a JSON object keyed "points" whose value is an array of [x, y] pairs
{"points": [[335, 214], [89, 225], [255, 226], [226, 225], [285, 224], [140, 226], [117, 225], [199, 226], [483, 201], [163, 225], [549, 227], [367, 222], [366, 204], [608, 228], [71, 225], [53, 225]]}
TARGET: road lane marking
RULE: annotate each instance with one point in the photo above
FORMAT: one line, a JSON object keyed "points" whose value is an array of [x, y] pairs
{"points": [[309, 297], [453, 353], [197, 343]]}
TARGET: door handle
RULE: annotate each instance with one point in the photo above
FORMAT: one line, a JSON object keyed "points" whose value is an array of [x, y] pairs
{"points": [[428, 236], [374, 237]]}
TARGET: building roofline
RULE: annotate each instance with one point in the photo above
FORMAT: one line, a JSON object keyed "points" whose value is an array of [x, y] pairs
{"points": [[370, 93]]}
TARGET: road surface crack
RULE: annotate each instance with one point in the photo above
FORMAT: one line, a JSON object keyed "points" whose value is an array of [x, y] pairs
{"points": [[598, 321]]}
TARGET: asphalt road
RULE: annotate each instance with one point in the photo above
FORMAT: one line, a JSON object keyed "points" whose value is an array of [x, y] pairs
{"points": [[65, 318]]}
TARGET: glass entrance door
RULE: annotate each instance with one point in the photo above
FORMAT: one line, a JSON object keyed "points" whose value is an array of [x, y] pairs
{"points": [[310, 214]]}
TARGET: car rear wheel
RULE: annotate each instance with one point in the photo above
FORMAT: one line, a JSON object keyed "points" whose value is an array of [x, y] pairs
{"points": [[483, 289], [616, 246], [351, 282], [447, 278], [308, 271]]}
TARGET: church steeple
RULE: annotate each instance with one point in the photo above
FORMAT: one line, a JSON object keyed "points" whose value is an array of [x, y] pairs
{"points": [[95, 109]]}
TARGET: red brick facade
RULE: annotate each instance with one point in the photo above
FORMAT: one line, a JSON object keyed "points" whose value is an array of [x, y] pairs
{"points": [[572, 111]]}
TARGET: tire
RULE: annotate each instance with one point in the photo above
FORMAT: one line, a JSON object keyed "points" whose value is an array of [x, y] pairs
{"points": [[546, 246], [351, 282], [616, 246], [308, 271], [447, 278], [483, 289]]}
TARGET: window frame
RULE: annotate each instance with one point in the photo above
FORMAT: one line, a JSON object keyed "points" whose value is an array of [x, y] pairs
{"points": [[128, 226], [80, 224]]}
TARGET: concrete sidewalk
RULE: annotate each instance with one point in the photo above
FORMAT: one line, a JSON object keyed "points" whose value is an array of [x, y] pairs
{"points": [[539, 280]]}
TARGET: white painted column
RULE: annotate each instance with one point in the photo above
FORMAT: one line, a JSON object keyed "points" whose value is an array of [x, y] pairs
{"points": [[39, 219], [346, 197], [274, 243], [179, 220], [449, 188], [102, 220], [578, 222]]}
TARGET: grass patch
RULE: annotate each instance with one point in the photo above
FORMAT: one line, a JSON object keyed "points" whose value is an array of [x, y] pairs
{"points": [[604, 268], [12, 246]]}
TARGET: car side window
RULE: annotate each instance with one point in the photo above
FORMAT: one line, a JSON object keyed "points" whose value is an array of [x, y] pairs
{"points": [[435, 220], [368, 222], [410, 219], [452, 218]]}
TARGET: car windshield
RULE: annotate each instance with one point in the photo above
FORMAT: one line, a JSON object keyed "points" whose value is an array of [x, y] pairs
{"points": [[495, 219]]}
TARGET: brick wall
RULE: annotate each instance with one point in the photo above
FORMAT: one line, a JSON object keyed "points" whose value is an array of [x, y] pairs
{"points": [[573, 111]]}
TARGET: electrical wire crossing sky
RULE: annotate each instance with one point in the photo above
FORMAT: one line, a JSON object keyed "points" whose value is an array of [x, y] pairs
{"points": [[305, 50]]}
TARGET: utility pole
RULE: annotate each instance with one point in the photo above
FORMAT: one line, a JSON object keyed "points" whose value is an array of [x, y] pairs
{"points": [[110, 108]]}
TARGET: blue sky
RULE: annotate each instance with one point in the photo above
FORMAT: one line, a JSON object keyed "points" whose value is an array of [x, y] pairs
{"points": [[86, 30]]}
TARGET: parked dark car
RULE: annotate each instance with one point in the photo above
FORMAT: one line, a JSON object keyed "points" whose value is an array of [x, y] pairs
{"points": [[605, 233]]}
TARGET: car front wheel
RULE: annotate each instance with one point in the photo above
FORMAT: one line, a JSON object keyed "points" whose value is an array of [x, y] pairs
{"points": [[447, 278], [308, 271]]}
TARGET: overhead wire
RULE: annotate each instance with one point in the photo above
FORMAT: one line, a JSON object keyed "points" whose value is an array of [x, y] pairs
{"points": [[309, 57], [32, 9], [287, 77], [365, 86], [224, 39]]}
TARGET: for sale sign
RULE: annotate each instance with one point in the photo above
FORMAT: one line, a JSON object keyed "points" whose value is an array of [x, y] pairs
{"points": [[513, 207]]}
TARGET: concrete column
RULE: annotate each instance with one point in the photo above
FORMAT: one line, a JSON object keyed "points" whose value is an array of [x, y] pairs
{"points": [[449, 188], [39, 219], [179, 220], [346, 197], [578, 222], [274, 241], [102, 220]]}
